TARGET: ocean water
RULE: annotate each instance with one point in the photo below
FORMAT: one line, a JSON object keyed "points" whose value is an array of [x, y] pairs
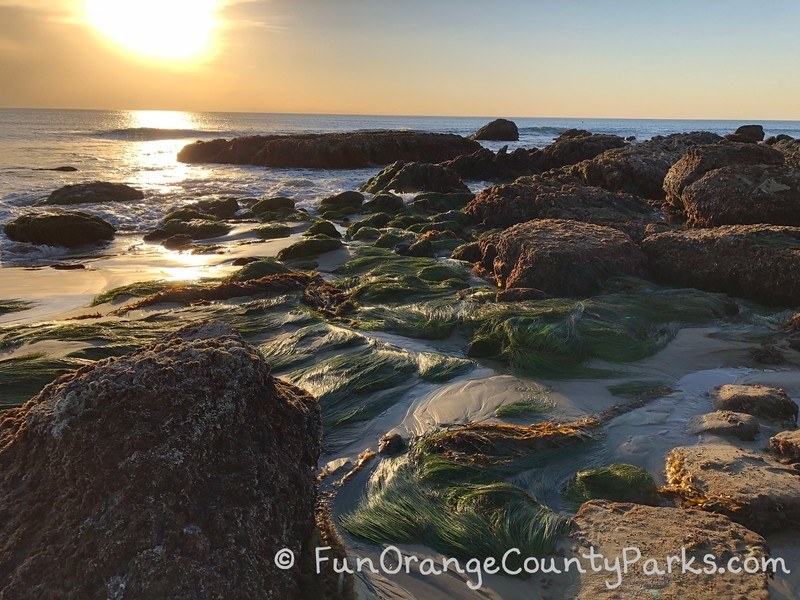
{"points": [[140, 147]]}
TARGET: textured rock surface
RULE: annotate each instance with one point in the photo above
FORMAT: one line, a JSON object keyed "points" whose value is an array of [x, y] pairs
{"points": [[744, 195], [751, 488], [485, 165], [786, 444], [750, 261], [725, 423], [539, 197], [759, 400], [700, 160], [561, 258], [572, 149], [67, 229], [174, 472], [499, 130], [330, 150], [96, 191], [415, 177], [659, 532], [640, 168], [791, 152]]}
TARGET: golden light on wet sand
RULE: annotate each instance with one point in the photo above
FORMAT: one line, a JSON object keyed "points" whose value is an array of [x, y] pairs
{"points": [[174, 30]]}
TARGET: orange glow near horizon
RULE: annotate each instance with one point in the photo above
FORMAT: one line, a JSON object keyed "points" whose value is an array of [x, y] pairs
{"points": [[172, 30]]}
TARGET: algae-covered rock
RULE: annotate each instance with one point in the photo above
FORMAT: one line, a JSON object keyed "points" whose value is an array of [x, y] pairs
{"points": [[273, 231], [618, 482], [433, 202], [562, 258], [96, 191], [769, 402], [323, 228], [347, 199], [202, 469], [415, 177], [616, 530], [197, 229], [311, 246], [259, 268], [751, 488], [67, 229], [267, 205], [385, 202]]}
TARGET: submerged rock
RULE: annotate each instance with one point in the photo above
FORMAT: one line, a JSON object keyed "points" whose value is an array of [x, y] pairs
{"points": [[658, 532], [96, 191], [415, 177], [748, 261], [639, 168], [725, 422], [751, 488], [769, 402], [499, 130], [330, 150], [700, 160], [561, 258], [618, 482], [67, 229], [570, 148], [348, 199], [391, 444], [537, 197], [202, 468]]}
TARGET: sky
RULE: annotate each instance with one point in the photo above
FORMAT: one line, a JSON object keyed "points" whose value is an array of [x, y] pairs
{"points": [[700, 59]]}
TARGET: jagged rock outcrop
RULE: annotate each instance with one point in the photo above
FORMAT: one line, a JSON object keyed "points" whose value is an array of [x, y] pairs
{"points": [[748, 134], [758, 262], [177, 471], [95, 191], [330, 150], [66, 229], [415, 177], [575, 146], [658, 532], [541, 197], [485, 165], [791, 151], [640, 168], [499, 130], [559, 257], [763, 401]]}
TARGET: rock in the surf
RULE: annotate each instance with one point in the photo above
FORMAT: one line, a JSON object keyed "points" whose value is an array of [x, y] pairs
{"points": [[499, 130], [176, 471], [758, 262], [66, 229], [559, 257], [751, 488], [613, 528], [749, 134], [415, 177], [94, 192], [330, 150]]}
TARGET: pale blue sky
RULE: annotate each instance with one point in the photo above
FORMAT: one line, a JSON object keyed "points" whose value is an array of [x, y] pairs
{"points": [[602, 58]]}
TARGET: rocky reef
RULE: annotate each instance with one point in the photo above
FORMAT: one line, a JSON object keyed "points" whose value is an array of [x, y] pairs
{"points": [[67, 229]]}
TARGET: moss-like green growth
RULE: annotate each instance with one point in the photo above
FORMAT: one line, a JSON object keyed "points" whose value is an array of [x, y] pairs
{"points": [[197, 229], [434, 202], [311, 246], [376, 221], [366, 233], [291, 350], [257, 269], [532, 404], [273, 205], [619, 482], [139, 289], [406, 221], [273, 231], [323, 228], [392, 237], [385, 202], [10, 306], [640, 390], [22, 377]]}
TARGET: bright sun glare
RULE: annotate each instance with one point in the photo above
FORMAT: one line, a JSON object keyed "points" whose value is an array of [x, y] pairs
{"points": [[164, 29]]}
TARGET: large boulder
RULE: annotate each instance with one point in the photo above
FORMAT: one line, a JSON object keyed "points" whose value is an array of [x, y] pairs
{"points": [[615, 530], [725, 423], [96, 191], [744, 195], [485, 165], [749, 134], [499, 130], [177, 472], [573, 148], [561, 258], [415, 177], [750, 261], [540, 197], [700, 160], [330, 150], [640, 168], [67, 229], [762, 401], [751, 488]]}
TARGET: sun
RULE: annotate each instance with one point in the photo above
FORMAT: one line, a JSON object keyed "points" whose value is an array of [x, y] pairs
{"points": [[175, 30]]}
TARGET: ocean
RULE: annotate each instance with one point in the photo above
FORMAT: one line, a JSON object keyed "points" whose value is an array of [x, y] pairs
{"points": [[139, 148]]}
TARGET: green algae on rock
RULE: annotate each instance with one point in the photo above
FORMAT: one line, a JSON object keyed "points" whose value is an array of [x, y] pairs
{"points": [[619, 482]]}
